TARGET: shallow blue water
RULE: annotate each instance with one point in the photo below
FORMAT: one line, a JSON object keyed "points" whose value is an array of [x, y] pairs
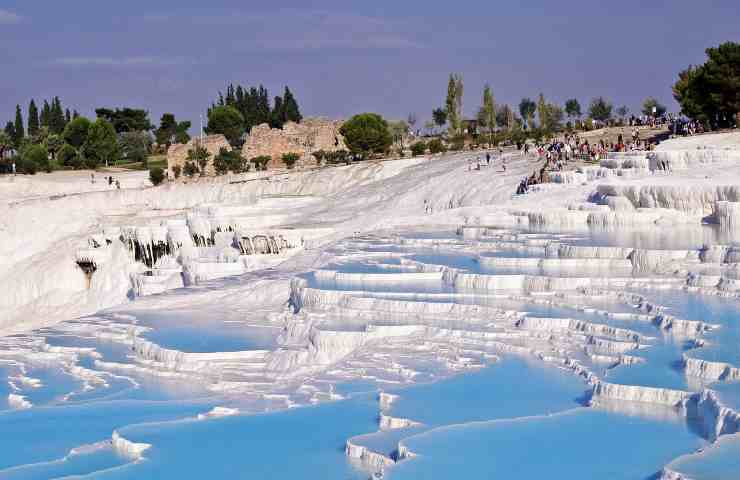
{"points": [[723, 344], [229, 338], [44, 434], [298, 443], [717, 462], [582, 444], [494, 392]]}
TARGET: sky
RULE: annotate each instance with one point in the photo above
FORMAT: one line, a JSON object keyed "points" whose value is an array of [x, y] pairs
{"points": [[345, 57]]}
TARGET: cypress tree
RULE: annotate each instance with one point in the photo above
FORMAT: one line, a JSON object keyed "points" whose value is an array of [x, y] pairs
{"points": [[292, 112], [56, 117], [33, 119], [19, 131], [75, 114], [263, 106], [278, 114], [45, 114], [67, 117]]}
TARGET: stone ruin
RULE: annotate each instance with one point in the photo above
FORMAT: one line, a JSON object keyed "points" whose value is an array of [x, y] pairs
{"points": [[178, 153], [303, 138]]}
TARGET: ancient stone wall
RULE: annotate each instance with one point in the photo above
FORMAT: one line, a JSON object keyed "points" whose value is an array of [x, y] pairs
{"points": [[177, 153], [303, 138]]}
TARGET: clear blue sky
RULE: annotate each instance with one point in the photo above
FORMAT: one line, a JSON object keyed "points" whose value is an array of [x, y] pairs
{"points": [[344, 57]]}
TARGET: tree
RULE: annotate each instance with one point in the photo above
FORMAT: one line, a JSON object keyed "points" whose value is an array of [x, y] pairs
{"points": [[227, 121], [45, 114], [488, 111], [75, 133], [101, 145], [453, 104], [411, 120], [651, 107], [190, 169], [33, 119], [600, 109], [170, 130], [366, 133], [440, 117], [711, 92], [623, 111], [399, 129], [19, 132], [260, 163], [526, 109], [35, 157], [290, 159], [67, 156], [573, 108], [229, 160], [53, 142], [555, 117], [277, 118], [436, 146], [57, 122], [135, 146], [156, 176], [292, 112], [418, 148], [542, 109], [198, 155], [6, 143], [126, 119]]}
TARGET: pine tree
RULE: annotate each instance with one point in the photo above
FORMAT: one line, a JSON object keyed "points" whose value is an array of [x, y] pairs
{"points": [[33, 119], [19, 130], [292, 112]]}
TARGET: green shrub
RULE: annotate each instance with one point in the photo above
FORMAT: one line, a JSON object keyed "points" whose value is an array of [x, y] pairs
{"points": [[290, 159], [418, 148], [367, 133], [156, 175], [67, 156], [320, 156], [436, 146], [35, 157], [458, 143], [260, 163], [337, 156], [190, 169], [229, 160]]}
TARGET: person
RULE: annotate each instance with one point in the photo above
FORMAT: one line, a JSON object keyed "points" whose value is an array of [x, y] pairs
{"points": [[92, 177], [118, 185], [522, 188], [110, 180], [488, 158]]}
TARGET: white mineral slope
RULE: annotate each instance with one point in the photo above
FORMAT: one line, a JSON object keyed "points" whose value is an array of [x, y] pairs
{"points": [[43, 232]]}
